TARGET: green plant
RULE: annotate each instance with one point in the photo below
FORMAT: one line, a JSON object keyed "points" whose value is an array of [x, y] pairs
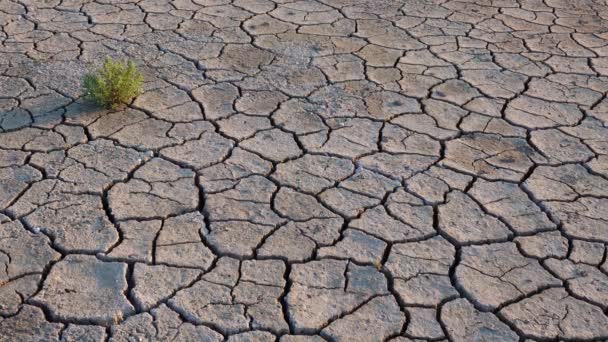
{"points": [[116, 83]]}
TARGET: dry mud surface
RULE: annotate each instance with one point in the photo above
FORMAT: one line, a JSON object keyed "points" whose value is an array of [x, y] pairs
{"points": [[308, 170]]}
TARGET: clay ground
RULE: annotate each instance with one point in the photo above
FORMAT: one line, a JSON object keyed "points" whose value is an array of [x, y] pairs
{"points": [[306, 170]]}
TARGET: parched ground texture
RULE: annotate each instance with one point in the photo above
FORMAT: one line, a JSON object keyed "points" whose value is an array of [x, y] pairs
{"points": [[306, 170]]}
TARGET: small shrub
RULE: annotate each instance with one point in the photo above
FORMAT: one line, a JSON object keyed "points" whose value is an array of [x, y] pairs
{"points": [[116, 83]]}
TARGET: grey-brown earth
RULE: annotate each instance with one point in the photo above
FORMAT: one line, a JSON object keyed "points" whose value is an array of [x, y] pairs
{"points": [[306, 170]]}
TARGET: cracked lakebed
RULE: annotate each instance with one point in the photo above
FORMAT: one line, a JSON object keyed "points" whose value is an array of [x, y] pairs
{"points": [[306, 170]]}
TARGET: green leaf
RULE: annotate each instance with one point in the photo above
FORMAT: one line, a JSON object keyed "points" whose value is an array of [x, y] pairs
{"points": [[114, 84]]}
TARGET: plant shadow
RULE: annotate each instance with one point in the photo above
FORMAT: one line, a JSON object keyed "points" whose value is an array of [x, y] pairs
{"points": [[48, 114]]}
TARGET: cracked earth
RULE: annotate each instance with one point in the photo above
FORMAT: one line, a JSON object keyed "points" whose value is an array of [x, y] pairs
{"points": [[306, 170]]}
